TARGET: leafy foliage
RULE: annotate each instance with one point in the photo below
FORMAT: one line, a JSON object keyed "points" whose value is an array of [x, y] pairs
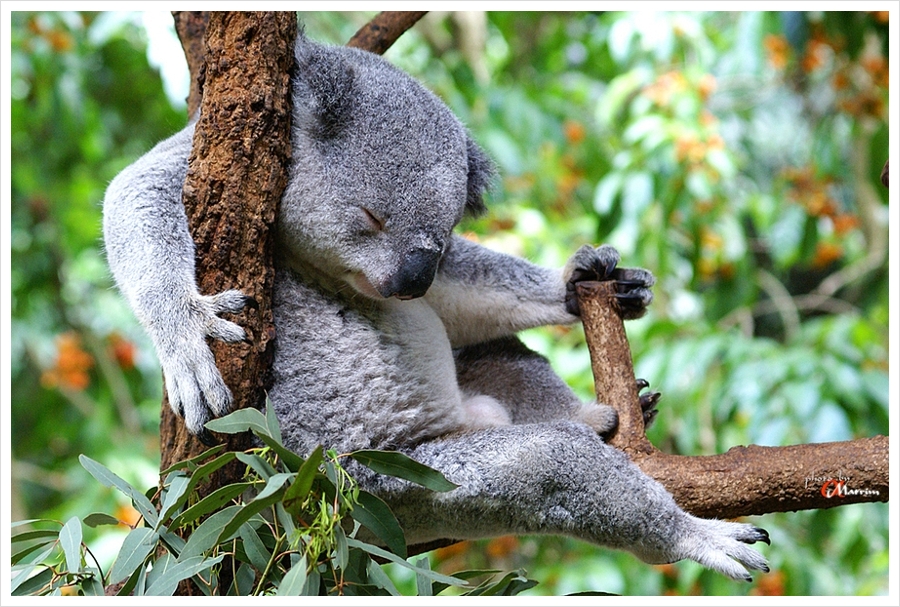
{"points": [[290, 527], [734, 154]]}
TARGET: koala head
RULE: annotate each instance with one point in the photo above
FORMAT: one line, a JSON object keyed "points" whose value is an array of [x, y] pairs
{"points": [[382, 171]]}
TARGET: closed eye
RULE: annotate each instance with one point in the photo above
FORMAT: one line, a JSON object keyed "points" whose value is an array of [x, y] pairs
{"points": [[374, 222]]}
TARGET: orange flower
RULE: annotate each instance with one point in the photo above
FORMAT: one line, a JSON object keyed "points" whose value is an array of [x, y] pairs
{"points": [[844, 222], [574, 131], [122, 350], [706, 86], [502, 546], [778, 50], [71, 366], [826, 253]]}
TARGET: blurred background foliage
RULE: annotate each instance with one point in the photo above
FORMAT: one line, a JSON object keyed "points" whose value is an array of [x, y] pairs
{"points": [[736, 155]]}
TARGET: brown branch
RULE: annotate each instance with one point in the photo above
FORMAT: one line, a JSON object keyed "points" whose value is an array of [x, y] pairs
{"points": [[380, 33], [744, 480]]}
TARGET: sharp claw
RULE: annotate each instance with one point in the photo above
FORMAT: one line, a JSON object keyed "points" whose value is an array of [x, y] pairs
{"points": [[251, 302], [207, 438], [642, 383]]}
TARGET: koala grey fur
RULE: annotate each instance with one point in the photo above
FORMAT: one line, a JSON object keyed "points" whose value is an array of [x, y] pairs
{"points": [[393, 333]]}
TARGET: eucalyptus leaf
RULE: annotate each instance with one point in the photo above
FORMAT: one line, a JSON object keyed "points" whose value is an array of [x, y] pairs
{"points": [[423, 584], [302, 484], [380, 552], [394, 463], [206, 536], [272, 493], [95, 519], [178, 484], [294, 581], [193, 462], [239, 421], [380, 578], [211, 503], [32, 584], [166, 584], [138, 544], [70, 540], [371, 512], [254, 547], [110, 479]]}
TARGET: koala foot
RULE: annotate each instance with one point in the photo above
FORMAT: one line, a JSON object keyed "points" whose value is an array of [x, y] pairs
{"points": [[724, 547], [632, 284], [648, 402]]}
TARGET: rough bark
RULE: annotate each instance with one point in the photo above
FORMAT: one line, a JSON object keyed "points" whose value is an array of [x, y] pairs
{"points": [[237, 171], [744, 480], [381, 32]]}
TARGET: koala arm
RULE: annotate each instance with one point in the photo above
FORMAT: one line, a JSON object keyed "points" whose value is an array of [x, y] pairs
{"points": [[481, 294], [151, 255]]}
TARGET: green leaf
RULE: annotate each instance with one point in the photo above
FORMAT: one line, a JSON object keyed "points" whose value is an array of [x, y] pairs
{"points": [[95, 519], [138, 544], [109, 479], [92, 585], [290, 459], [302, 485], [178, 485], [36, 534], [432, 575], [371, 512], [17, 557], [33, 584], [394, 463], [166, 584], [242, 584], [294, 581], [207, 534], [70, 539], [254, 547], [467, 574], [272, 426], [210, 503], [341, 551], [423, 584], [510, 584], [380, 578], [241, 421], [192, 463], [258, 464], [271, 493]]}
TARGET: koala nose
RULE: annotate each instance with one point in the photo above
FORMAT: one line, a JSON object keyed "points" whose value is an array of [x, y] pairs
{"points": [[414, 276]]}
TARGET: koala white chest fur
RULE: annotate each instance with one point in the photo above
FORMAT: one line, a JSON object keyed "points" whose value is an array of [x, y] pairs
{"points": [[391, 332]]}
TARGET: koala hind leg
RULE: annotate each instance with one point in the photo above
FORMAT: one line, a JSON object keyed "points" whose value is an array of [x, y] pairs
{"points": [[504, 373]]}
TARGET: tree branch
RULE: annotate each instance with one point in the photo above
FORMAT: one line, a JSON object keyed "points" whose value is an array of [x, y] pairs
{"points": [[744, 480], [380, 33]]}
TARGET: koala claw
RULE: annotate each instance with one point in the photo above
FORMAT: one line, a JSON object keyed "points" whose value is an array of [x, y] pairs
{"points": [[648, 402], [632, 284], [207, 438]]}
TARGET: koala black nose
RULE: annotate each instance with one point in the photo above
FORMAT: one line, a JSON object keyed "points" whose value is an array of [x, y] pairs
{"points": [[414, 276]]}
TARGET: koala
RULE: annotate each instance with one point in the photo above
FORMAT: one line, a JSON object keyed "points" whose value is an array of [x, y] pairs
{"points": [[394, 333]]}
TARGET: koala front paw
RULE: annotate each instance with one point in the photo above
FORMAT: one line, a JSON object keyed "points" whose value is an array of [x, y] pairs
{"points": [[632, 284], [196, 390]]}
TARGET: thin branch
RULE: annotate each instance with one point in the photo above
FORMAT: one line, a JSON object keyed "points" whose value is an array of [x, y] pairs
{"points": [[380, 33], [745, 480]]}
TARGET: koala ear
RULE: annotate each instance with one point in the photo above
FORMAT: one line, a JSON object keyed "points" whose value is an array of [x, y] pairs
{"points": [[324, 85], [481, 172]]}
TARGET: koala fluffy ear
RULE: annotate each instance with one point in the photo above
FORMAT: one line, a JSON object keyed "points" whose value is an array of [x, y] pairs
{"points": [[481, 172], [324, 84]]}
